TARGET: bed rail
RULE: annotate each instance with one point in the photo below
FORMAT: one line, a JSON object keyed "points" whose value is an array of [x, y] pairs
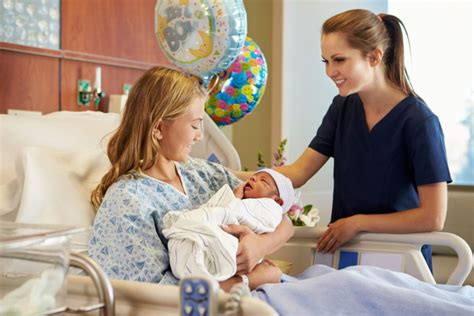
{"points": [[403, 251], [141, 298], [103, 287]]}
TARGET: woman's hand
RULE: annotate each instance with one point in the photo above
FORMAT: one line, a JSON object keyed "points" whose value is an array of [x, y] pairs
{"points": [[249, 252], [338, 233], [264, 272]]}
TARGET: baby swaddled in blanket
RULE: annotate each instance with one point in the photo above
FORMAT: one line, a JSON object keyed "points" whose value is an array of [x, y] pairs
{"points": [[196, 242]]}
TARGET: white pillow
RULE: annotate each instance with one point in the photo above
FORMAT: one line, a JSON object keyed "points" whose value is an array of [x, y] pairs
{"points": [[57, 185], [69, 131]]}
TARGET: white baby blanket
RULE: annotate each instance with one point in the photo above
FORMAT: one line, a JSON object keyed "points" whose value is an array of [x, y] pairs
{"points": [[197, 244]]}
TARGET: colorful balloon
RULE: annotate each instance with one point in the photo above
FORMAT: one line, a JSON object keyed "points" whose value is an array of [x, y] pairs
{"points": [[202, 37], [240, 87]]}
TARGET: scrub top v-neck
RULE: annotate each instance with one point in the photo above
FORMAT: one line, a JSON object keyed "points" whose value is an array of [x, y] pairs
{"points": [[377, 171]]}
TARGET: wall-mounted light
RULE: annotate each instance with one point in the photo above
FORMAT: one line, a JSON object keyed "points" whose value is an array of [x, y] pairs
{"points": [[86, 94]]}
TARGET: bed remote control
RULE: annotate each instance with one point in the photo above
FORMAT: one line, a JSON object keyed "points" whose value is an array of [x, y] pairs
{"points": [[198, 296]]}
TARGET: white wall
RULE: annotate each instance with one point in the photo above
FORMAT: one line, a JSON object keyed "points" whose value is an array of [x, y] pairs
{"points": [[307, 92]]}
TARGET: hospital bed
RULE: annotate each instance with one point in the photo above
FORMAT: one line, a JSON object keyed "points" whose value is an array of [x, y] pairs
{"points": [[51, 163]]}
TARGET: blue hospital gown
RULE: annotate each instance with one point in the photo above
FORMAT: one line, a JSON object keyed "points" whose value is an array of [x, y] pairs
{"points": [[126, 239]]}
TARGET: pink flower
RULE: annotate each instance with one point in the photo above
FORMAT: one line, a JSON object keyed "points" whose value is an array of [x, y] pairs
{"points": [[295, 211]]}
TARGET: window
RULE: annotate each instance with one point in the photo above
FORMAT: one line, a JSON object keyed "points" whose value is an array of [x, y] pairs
{"points": [[441, 68]]}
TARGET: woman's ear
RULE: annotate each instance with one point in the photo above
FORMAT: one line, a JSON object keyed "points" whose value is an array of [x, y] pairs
{"points": [[158, 130], [376, 57]]}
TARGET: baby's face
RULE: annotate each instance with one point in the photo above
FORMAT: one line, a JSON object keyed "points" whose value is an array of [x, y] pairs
{"points": [[260, 185]]}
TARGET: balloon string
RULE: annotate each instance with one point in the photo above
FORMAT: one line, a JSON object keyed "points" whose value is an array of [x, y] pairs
{"points": [[213, 83]]}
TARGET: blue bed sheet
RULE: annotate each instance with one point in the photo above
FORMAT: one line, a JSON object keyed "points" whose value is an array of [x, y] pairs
{"points": [[364, 290]]}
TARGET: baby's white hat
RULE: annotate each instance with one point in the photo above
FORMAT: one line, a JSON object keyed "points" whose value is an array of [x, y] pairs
{"points": [[284, 186]]}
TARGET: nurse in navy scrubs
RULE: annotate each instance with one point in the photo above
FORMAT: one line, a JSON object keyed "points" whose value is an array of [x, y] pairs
{"points": [[390, 166]]}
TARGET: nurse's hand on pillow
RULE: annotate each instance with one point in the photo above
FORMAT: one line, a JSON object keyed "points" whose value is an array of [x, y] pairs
{"points": [[249, 252], [338, 233]]}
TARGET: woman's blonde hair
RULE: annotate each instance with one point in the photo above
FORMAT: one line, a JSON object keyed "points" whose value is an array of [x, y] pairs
{"points": [[160, 94], [366, 31]]}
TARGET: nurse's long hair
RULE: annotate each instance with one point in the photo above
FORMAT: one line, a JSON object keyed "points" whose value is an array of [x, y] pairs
{"points": [[160, 94], [366, 31]]}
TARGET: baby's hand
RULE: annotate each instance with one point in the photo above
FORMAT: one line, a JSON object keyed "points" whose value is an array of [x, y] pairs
{"points": [[239, 191]]}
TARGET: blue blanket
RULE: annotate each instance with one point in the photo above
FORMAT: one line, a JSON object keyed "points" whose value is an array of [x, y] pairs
{"points": [[364, 290]]}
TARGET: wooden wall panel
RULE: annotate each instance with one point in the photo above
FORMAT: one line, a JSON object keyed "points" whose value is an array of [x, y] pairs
{"points": [[117, 35], [116, 28], [28, 82], [113, 78]]}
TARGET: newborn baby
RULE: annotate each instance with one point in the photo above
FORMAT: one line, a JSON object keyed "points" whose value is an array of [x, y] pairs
{"points": [[197, 244]]}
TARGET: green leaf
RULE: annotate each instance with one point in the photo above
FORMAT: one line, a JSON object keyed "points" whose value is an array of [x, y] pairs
{"points": [[260, 162], [307, 208], [297, 222]]}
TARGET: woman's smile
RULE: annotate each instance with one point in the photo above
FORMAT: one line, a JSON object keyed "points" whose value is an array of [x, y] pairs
{"points": [[339, 82]]}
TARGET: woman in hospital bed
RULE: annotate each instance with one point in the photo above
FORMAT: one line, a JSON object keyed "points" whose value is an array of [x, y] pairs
{"points": [[196, 242], [152, 174]]}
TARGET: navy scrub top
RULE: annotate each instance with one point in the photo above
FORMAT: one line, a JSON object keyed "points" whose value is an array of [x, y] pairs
{"points": [[378, 171]]}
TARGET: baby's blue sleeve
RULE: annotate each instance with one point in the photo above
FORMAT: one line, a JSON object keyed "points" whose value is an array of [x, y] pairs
{"points": [[125, 243]]}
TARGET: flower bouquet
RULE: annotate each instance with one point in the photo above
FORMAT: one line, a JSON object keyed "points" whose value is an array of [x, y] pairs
{"points": [[307, 215]]}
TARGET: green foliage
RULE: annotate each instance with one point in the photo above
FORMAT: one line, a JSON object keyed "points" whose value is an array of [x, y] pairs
{"points": [[260, 162], [278, 157], [307, 208]]}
